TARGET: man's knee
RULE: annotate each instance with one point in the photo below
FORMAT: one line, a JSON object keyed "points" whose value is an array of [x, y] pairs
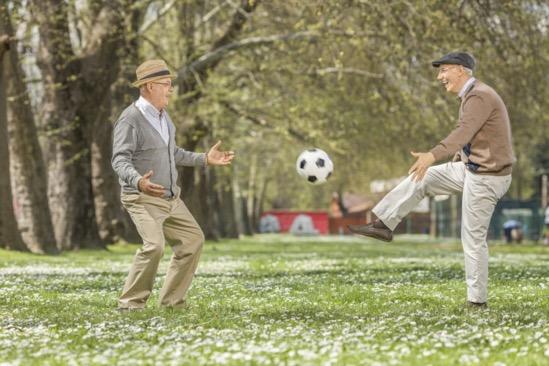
{"points": [[197, 241], [428, 180], [190, 243], [153, 250]]}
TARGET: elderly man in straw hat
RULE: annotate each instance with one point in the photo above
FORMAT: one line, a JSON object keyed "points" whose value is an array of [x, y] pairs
{"points": [[145, 158]]}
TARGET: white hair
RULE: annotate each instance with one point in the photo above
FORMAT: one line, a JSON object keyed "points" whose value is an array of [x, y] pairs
{"points": [[468, 71]]}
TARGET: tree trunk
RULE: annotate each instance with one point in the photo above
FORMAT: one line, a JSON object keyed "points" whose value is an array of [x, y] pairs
{"points": [[9, 234], [194, 182], [260, 201], [195, 196], [226, 211], [106, 190], [207, 198], [237, 202], [193, 74], [76, 89], [26, 165], [113, 221], [247, 229], [251, 193]]}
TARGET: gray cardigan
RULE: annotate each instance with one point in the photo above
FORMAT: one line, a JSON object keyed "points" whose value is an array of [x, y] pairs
{"points": [[138, 148]]}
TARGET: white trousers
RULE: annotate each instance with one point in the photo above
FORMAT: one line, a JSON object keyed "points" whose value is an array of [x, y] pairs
{"points": [[480, 195]]}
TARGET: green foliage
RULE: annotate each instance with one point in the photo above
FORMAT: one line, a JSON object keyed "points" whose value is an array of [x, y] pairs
{"points": [[355, 80], [361, 86]]}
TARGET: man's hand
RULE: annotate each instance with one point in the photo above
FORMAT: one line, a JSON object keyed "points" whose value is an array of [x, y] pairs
{"points": [[148, 187], [216, 157], [423, 162]]}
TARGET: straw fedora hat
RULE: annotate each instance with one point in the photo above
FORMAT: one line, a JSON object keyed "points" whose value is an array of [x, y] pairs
{"points": [[152, 70]]}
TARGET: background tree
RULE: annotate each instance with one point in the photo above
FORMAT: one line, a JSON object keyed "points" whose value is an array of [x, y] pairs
{"points": [[26, 167], [9, 234], [269, 79], [76, 80]]}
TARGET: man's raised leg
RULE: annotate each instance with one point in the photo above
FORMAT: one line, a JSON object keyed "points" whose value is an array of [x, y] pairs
{"points": [[440, 179]]}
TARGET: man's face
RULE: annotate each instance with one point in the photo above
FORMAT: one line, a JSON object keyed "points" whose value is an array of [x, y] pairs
{"points": [[160, 92], [450, 76]]}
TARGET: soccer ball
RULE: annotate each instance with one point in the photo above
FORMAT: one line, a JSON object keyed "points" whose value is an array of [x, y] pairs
{"points": [[315, 166]]}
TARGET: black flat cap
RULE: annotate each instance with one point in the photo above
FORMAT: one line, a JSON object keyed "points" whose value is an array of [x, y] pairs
{"points": [[456, 58]]}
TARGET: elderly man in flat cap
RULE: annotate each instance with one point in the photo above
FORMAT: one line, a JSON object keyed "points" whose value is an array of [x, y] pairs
{"points": [[145, 157], [481, 168]]}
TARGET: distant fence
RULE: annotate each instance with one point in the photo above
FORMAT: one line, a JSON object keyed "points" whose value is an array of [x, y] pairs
{"points": [[414, 223], [527, 212]]}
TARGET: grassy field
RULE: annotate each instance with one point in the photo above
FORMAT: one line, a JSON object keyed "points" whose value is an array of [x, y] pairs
{"points": [[279, 300]]}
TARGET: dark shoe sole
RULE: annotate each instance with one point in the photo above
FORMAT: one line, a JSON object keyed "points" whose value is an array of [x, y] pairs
{"points": [[370, 235], [127, 310]]}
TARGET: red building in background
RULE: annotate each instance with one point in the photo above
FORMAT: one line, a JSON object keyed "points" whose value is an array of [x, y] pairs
{"points": [[320, 219]]}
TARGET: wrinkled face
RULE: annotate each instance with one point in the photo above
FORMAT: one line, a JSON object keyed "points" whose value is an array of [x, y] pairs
{"points": [[451, 76], [159, 92]]}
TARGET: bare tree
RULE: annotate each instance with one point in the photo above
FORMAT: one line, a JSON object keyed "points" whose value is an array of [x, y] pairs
{"points": [[77, 85], [9, 234], [27, 168]]}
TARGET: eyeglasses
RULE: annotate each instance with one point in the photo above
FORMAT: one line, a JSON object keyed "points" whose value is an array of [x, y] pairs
{"points": [[168, 84]]}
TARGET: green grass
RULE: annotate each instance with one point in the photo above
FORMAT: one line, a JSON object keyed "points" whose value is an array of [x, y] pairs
{"points": [[281, 300]]}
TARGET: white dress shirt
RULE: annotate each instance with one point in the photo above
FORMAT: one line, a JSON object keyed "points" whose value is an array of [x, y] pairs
{"points": [[155, 117]]}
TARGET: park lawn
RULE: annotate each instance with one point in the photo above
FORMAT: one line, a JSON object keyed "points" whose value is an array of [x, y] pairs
{"points": [[281, 300]]}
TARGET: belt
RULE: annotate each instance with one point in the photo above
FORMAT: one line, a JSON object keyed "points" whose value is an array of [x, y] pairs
{"points": [[172, 198]]}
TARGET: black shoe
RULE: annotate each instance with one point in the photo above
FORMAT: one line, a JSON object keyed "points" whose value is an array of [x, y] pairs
{"points": [[376, 230], [127, 310], [477, 305]]}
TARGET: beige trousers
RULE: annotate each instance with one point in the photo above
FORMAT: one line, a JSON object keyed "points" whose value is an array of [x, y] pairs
{"points": [[480, 196], [158, 221]]}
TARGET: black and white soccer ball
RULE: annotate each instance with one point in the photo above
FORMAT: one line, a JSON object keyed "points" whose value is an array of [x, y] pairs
{"points": [[314, 165]]}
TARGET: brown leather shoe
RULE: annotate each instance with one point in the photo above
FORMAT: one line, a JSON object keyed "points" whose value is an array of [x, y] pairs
{"points": [[373, 231]]}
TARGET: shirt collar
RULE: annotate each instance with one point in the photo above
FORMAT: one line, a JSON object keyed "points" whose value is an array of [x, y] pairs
{"points": [[148, 107], [468, 84]]}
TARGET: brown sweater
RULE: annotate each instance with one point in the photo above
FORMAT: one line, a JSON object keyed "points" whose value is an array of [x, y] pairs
{"points": [[482, 137]]}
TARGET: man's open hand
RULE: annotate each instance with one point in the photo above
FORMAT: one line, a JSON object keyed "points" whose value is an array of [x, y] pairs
{"points": [[216, 157], [150, 188], [423, 162]]}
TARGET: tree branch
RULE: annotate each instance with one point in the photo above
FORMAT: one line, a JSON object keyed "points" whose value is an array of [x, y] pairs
{"points": [[195, 73], [56, 56], [107, 30], [163, 11], [156, 47], [258, 121], [346, 70], [190, 76], [211, 13]]}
